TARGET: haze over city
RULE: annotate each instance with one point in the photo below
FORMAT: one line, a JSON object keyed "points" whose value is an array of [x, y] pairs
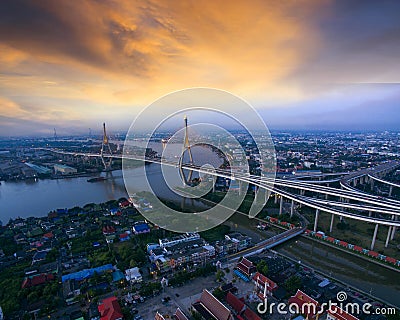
{"points": [[302, 65]]}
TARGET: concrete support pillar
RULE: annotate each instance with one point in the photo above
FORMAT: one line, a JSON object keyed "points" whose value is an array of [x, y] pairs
{"points": [[374, 237], [240, 188], [394, 229], [276, 198], [370, 214], [390, 191], [388, 236], [316, 220], [292, 209], [372, 184], [281, 206], [326, 196], [332, 219]]}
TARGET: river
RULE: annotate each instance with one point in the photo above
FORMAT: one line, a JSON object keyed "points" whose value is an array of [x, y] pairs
{"points": [[36, 198]]}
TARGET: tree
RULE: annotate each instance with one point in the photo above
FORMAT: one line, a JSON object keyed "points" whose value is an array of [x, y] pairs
{"points": [[342, 225], [132, 263], [219, 275], [96, 278], [52, 255], [293, 283], [262, 267], [395, 316], [196, 316], [33, 296], [219, 294]]}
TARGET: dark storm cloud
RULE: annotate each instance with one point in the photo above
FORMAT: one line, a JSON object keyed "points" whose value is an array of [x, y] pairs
{"points": [[360, 42], [93, 33], [33, 26]]}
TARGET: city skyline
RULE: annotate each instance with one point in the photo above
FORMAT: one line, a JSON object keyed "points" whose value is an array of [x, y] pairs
{"points": [[305, 65]]}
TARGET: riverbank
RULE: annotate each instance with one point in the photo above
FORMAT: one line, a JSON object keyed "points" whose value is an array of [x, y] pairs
{"points": [[36, 198]]}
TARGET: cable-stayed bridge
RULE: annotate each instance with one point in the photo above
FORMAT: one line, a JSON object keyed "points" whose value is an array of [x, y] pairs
{"points": [[346, 201]]}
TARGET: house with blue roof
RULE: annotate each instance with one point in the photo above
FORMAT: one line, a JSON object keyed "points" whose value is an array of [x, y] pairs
{"points": [[87, 273], [141, 228]]}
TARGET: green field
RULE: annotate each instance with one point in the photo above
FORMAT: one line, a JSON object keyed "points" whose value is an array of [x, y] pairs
{"points": [[354, 231]]}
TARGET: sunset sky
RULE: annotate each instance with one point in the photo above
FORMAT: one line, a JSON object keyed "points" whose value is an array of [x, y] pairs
{"points": [[302, 64]]}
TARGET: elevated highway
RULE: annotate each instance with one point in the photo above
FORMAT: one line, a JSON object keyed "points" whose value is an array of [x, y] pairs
{"points": [[294, 190]]}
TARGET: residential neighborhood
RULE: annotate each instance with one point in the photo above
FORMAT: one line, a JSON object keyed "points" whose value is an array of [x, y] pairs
{"points": [[104, 261]]}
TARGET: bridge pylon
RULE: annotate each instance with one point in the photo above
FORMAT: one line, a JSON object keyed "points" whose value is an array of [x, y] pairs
{"points": [[105, 146], [186, 147]]}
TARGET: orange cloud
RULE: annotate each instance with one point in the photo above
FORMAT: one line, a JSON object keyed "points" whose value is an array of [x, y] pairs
{"points": [[90, 59]]}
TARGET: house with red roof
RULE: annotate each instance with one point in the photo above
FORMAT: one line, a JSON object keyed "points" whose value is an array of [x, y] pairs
{"points": [[179, 315], [110, 309], [125, 204], [343, 243], [336, 313], [273, 220], [159, 316], [48, 236], [249, 314], [391, 260], [373, 254], [108, 230], [264, 285], [245, 268], [37, 280], [235, 303], [242, 311], [304, 304], [209, 307], [124, 237]]}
